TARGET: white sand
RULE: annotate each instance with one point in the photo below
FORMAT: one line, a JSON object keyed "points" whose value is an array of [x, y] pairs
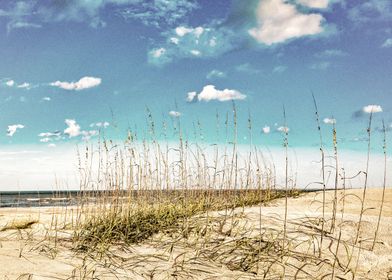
{"points": [[32, 253]]}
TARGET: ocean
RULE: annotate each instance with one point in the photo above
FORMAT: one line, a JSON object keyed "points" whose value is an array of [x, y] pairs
{"points": [[38, 198]]}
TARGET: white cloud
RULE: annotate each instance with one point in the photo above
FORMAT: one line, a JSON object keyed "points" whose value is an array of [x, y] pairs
{"points": [[329, 121], [88, 134], [182, 31], [73, 128], [10, 83], [191, 96], [34, 14], [174, 114], [45, 140], [279, 21], [83, 83], [372, 109], [209, 93], [13, 128], [100, 124], [284, 129], [196, 52], [24, 85], [266, 129], [46, 98], [216, 74], [158, 12], [49, 134], [192, 42], [316, 4], [387, 43], [52, 145], [158, 52]]}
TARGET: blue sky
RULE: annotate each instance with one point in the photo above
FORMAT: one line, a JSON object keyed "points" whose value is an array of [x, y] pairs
{"points": [[73, 69]]}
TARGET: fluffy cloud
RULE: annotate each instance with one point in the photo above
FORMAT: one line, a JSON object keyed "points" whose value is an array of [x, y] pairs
{"points": [[191, 96], [87, 135], [367, 110], [315, 4], [73, 129], [209, 93], [45, 140], [100, 124], [191, 42], [266, 129], [387, 43], [329, 121], [13, 128], [174, 114], [10, 83], [33, 14], [216, 74], [279, 21], [284, 129], [372, 109], [46, 98], [83, 83], [25, 86], [158, 12], [50, 134]]}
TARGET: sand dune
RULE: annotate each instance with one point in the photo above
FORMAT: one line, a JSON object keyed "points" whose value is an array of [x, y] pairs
{"points": [[40, 253]]}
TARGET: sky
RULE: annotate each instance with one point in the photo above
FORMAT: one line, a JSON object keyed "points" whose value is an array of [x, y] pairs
{"points": [[72, 71]]}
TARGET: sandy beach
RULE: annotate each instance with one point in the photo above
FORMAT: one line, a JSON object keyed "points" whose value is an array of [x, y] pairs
{"points": [[39, 252]]}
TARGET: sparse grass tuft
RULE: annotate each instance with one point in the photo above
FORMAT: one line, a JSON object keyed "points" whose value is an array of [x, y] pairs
{"points": [[19, 225]]}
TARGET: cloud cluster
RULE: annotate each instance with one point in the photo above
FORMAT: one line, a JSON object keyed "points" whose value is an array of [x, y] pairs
{"points": [[73, 129], [372, 109], [174, 114], [192, 42], [83, 83], [47, 137], [368, 109], [266, 129], [11, 83], [159, 12], [13, 128], [279, 20], [34, 14], [329, 121], [210, 93], [100, 124], [283, 129]]}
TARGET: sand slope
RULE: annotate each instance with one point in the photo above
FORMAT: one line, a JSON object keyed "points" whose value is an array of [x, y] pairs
{"points": [[226, 251]]}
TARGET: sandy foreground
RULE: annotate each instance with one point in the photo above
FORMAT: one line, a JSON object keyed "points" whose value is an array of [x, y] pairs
{"points": [[41, 253]]}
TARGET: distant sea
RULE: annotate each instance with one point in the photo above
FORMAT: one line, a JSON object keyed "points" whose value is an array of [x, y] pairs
{"points": [[38, 198]]}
